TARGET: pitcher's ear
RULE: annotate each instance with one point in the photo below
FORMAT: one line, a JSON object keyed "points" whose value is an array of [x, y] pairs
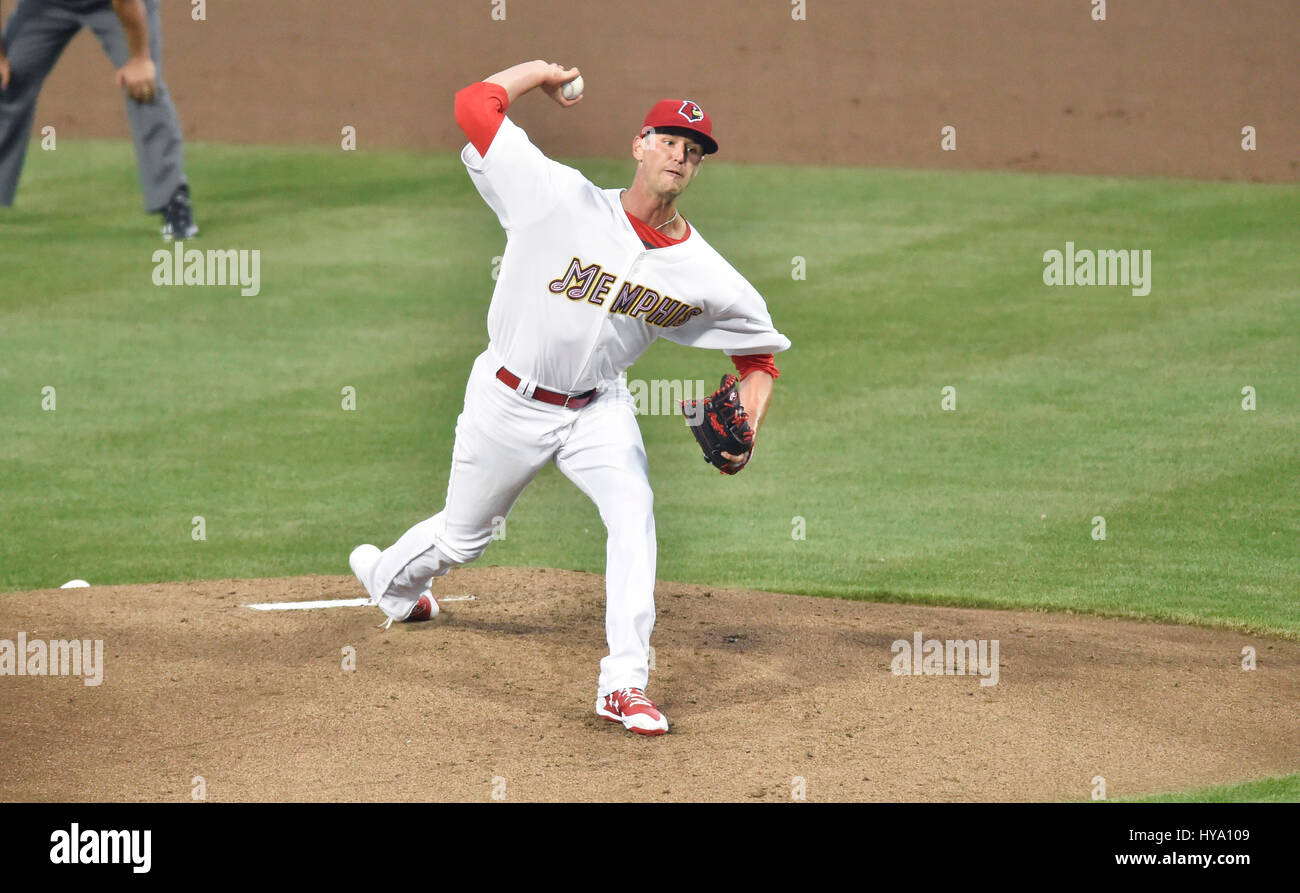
{"points": [[647, 135]]}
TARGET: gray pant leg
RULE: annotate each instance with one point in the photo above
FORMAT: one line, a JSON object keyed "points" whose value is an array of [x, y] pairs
{"points": [[155, 127], [34, 39]]}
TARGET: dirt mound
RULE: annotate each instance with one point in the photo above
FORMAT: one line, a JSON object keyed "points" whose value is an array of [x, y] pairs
{"points": [[497, 694]]}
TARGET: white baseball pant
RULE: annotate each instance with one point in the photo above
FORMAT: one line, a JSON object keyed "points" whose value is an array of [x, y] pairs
{"points": [[502, 440]]}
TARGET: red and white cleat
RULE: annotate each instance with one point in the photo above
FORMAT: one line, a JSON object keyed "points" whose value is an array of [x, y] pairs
{"points": [[426, 608], [363, 560], [634, 710]]}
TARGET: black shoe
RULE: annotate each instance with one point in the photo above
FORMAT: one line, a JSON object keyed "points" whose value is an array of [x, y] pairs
{"points": [[178, 216]]}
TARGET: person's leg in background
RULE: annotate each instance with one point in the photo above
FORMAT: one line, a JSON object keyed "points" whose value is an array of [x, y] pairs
{"points": [[34, 38], [155, 126]]}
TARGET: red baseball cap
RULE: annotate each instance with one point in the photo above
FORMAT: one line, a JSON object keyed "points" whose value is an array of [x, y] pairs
{"points": [[671, 115]]}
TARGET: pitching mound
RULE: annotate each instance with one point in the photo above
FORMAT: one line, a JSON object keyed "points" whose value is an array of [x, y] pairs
{"points": [[496, 697]]}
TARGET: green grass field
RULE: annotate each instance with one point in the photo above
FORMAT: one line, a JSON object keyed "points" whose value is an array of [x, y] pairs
{"points": [[1285, 789], [1071, 402]]}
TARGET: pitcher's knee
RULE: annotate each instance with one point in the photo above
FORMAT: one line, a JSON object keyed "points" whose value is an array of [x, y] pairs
{"points": [[632, 513], [463, 546]]}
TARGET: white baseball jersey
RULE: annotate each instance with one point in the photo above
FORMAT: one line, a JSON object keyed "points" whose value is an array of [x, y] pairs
{"points": [[578, 296]]}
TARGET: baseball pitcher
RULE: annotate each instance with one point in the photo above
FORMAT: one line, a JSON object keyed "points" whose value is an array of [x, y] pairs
{"points": [[589, 279]]}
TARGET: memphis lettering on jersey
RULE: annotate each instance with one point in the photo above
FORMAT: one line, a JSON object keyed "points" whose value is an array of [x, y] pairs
{"points": [[76, 847], [631, 300]]}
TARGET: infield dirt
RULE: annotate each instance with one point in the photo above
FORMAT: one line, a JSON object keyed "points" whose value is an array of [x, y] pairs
{"points": [[761, 689], [1161, 87]]}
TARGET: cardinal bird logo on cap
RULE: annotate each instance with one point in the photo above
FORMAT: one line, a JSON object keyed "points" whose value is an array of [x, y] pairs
{"points": [[691, 112]]}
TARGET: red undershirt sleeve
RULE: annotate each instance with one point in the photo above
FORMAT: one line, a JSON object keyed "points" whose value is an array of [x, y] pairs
{"points": [[480, 109], [756, 362]]}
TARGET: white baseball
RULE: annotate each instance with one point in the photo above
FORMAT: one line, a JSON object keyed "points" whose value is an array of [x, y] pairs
{"points": [[573, 89]]}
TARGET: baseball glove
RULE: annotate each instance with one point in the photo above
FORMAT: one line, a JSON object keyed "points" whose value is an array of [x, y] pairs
{"points": [[721, 425]]}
